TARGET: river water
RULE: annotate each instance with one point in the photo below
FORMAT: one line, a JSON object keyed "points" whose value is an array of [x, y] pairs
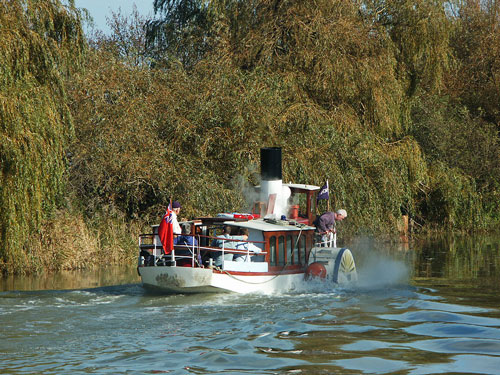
{"points": [[429, 308]]}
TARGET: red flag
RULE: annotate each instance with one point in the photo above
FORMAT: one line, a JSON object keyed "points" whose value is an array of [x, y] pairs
{"points": [[166, 231]]}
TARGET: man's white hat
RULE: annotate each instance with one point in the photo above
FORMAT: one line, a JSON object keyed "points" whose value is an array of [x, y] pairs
{"points": [[342, 212]]}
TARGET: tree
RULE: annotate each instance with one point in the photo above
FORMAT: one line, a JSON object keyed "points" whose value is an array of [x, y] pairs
{"points": [[40, 43], [475, 80]]}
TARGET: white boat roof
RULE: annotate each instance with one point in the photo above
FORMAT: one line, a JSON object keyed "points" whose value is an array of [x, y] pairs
{"points": [[265, 226], [302, 186], [297, 186]]}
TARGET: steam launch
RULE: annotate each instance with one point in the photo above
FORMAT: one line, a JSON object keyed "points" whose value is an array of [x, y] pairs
{"points": [[274, 248]]}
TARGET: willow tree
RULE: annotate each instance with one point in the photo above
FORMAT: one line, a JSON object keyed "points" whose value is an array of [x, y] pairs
{"points": [[318, 78], [446, 53], [332, 82], [476, 43], [40, 42], [420, 31]]}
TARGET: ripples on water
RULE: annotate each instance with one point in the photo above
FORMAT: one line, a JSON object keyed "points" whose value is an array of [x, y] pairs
{"points": [[385, 325]]}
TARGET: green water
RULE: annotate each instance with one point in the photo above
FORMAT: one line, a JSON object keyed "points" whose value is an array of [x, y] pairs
{"points": [[426, 308]]}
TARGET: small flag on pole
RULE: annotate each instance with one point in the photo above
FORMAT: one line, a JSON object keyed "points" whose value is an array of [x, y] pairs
{"points": [[323, 192]]}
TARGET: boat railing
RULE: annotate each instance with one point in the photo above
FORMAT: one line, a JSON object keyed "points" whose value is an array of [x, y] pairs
{"points": [[149, 246], [152, 248], [329, 241], [231, 250]]}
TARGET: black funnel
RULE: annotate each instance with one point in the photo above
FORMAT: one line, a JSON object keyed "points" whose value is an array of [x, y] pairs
{"points": [[270, 163]]}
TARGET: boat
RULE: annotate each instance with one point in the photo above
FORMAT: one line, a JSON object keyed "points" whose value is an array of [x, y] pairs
{"points": [[281, 254]]}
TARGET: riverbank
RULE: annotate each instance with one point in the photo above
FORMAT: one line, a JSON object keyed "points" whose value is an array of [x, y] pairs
{"points": [[69, 242]]}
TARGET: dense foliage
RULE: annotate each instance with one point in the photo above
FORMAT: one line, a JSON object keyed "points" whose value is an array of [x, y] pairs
{"points": [[395, 102], [40, 43]]}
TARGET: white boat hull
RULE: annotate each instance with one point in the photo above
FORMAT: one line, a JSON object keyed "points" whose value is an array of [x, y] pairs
{"points": [[337, 262], [204, 280]]}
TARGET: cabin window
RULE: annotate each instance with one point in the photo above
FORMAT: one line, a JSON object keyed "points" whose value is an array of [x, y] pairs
{"points": [[309, 244], [272, 251], [281, 250], [289, 247], [312, 205], [295, 247], [301, 200], [302, 249]]}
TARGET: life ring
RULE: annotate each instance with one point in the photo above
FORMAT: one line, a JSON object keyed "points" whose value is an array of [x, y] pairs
{"points": [[315, 270], [236, 215]]}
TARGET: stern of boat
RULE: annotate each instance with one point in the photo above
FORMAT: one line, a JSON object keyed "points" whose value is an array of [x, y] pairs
{"points": [[177, 279], [335, 264]]}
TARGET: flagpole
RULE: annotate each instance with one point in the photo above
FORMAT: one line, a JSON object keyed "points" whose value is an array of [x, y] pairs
{"points": [[324, 194], [328, 201]]}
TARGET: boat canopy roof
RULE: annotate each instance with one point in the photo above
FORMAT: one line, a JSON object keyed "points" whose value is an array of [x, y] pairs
{"points": [[302, 187], [264, 225], [298, 187]]}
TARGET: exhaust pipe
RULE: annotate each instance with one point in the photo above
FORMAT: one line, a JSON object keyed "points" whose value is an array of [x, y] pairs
{"points": [[272, 190]]}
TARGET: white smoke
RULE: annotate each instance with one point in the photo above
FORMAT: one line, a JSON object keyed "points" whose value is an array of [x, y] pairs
{"points": [[249, 192], [378, 269], [260, 193]]}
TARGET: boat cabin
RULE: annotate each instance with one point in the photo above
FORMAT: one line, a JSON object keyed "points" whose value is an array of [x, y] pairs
{"points": [[283, 245]]}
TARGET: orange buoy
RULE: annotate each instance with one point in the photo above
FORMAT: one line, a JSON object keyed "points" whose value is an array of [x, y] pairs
{"points": [[314, 270]]}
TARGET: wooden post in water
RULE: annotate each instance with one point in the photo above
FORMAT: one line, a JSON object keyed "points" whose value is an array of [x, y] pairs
{"points": [[403, 229]]}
